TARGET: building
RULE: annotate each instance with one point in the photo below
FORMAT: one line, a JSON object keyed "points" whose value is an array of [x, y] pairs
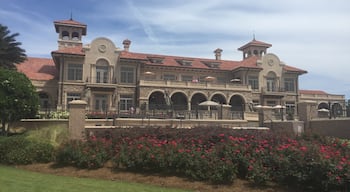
{"points": [[328, 105], [119, 81]]}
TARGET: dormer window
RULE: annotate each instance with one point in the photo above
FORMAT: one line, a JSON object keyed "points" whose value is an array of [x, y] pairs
{"points": [[185, 62], [156, 60], [65, 35], [212, 64], [75, 36]]}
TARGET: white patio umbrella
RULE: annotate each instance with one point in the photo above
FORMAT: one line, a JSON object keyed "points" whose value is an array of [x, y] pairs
{"points": [[209, 103]]}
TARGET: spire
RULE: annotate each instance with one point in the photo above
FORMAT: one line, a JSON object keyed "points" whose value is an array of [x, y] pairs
{"points": [[71, 15], [254, 35]]}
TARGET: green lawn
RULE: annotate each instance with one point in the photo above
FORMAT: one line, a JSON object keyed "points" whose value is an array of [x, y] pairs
{"points": [[12, 179]]}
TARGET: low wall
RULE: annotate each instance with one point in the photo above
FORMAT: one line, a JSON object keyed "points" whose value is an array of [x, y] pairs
{"points": [[331, 127], [286, 127], [30, 124]]}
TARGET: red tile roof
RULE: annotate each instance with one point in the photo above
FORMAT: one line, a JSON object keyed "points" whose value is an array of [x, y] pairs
{"points": [[38, 68], [71, 50], [255, 43], [70, 22], [200, 62], [313, 92], [294, 69], [196, 62]]}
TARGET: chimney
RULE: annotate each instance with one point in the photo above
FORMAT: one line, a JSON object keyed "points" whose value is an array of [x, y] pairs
{"points": [[126, 44], [218, 53]]}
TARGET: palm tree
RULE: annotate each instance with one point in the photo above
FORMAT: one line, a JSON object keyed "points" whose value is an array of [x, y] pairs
{"points": [[10, 52]]}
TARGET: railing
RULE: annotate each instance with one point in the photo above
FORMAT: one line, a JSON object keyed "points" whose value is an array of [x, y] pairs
{"points": [[189, 84], [166, 114], [101, 80]]}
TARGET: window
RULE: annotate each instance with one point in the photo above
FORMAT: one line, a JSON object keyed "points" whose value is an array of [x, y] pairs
{"points": [[65, 35], [75, 36], [253, 81], [221, 79], [271, 103], [75, 71], [101, 102], [44, 100], [72, 96], [101, 74], [169, 77], [289, 84], [187, 77], [125, 102], [270, 84], [127, 75]]}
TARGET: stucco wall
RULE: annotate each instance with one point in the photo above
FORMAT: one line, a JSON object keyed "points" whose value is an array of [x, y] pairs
{"points": [[331, 127]]}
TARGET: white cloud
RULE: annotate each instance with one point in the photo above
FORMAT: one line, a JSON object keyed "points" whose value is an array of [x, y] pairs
{"points": [[312, 35]]}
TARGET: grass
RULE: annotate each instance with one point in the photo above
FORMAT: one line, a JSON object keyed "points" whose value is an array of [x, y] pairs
{"points": [[12, 179]]}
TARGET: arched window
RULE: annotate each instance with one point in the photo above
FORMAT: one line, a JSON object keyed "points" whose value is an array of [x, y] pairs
{"points": [[255, 52], [75, 36], [102, 71], [65, 35], [271, 82]]}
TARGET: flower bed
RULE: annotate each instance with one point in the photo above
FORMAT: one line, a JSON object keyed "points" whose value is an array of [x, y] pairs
{"points": [[219, 155]]}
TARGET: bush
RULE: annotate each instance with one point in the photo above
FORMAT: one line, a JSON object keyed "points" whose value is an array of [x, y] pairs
{"points": [[91, 154], [218, 155], [20, 150]]}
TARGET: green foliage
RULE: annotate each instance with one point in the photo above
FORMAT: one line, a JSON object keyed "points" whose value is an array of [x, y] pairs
{"points": [[21, 150], [55, 135], [59, 115], [10, 51], [90, 154], [18, 98]]}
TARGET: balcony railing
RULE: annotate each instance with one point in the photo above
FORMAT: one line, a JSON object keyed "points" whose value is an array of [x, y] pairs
{"points": [[276, 91], [189, 84]]}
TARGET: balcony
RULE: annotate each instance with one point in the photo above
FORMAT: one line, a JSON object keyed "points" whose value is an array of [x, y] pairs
{"points": [[273, 91], [98, 82], [194, 85]]}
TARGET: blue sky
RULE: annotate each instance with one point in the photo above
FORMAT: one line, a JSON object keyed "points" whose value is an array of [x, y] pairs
{"points": [[312, 35]]}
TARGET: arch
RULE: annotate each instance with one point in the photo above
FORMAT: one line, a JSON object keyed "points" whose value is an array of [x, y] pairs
{"points": [[337, 110], [102, 71], [237, 103], [323, 105], [65, 35], [102, 62], [196, 99], [179, 101], [156, 100], [271, 81], [75, 36], [219, 98], [255, 52]]}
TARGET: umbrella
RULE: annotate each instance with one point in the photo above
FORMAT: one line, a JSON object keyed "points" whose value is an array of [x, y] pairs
{"points": [[278, 107], [209, 103], [323, 110]]}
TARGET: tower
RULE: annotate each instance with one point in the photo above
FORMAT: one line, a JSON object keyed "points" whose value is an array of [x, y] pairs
{"points": [[254, 47], [70, 33]]}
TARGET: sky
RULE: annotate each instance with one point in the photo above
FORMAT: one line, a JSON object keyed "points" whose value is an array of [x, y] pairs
{"points": [[312, 35]]}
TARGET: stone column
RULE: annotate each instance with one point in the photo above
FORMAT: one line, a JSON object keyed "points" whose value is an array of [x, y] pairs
{"points": [[76, 127], [307, 110]]}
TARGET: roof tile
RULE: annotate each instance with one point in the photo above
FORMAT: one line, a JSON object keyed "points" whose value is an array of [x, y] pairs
{"points": [[38, 68]]}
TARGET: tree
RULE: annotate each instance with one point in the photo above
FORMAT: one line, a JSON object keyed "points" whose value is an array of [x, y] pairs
{"points": [[18, 98], [10, 51]]}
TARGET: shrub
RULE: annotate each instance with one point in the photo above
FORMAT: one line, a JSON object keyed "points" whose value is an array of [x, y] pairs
{"points": [[91, 154], [20, 150]]}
